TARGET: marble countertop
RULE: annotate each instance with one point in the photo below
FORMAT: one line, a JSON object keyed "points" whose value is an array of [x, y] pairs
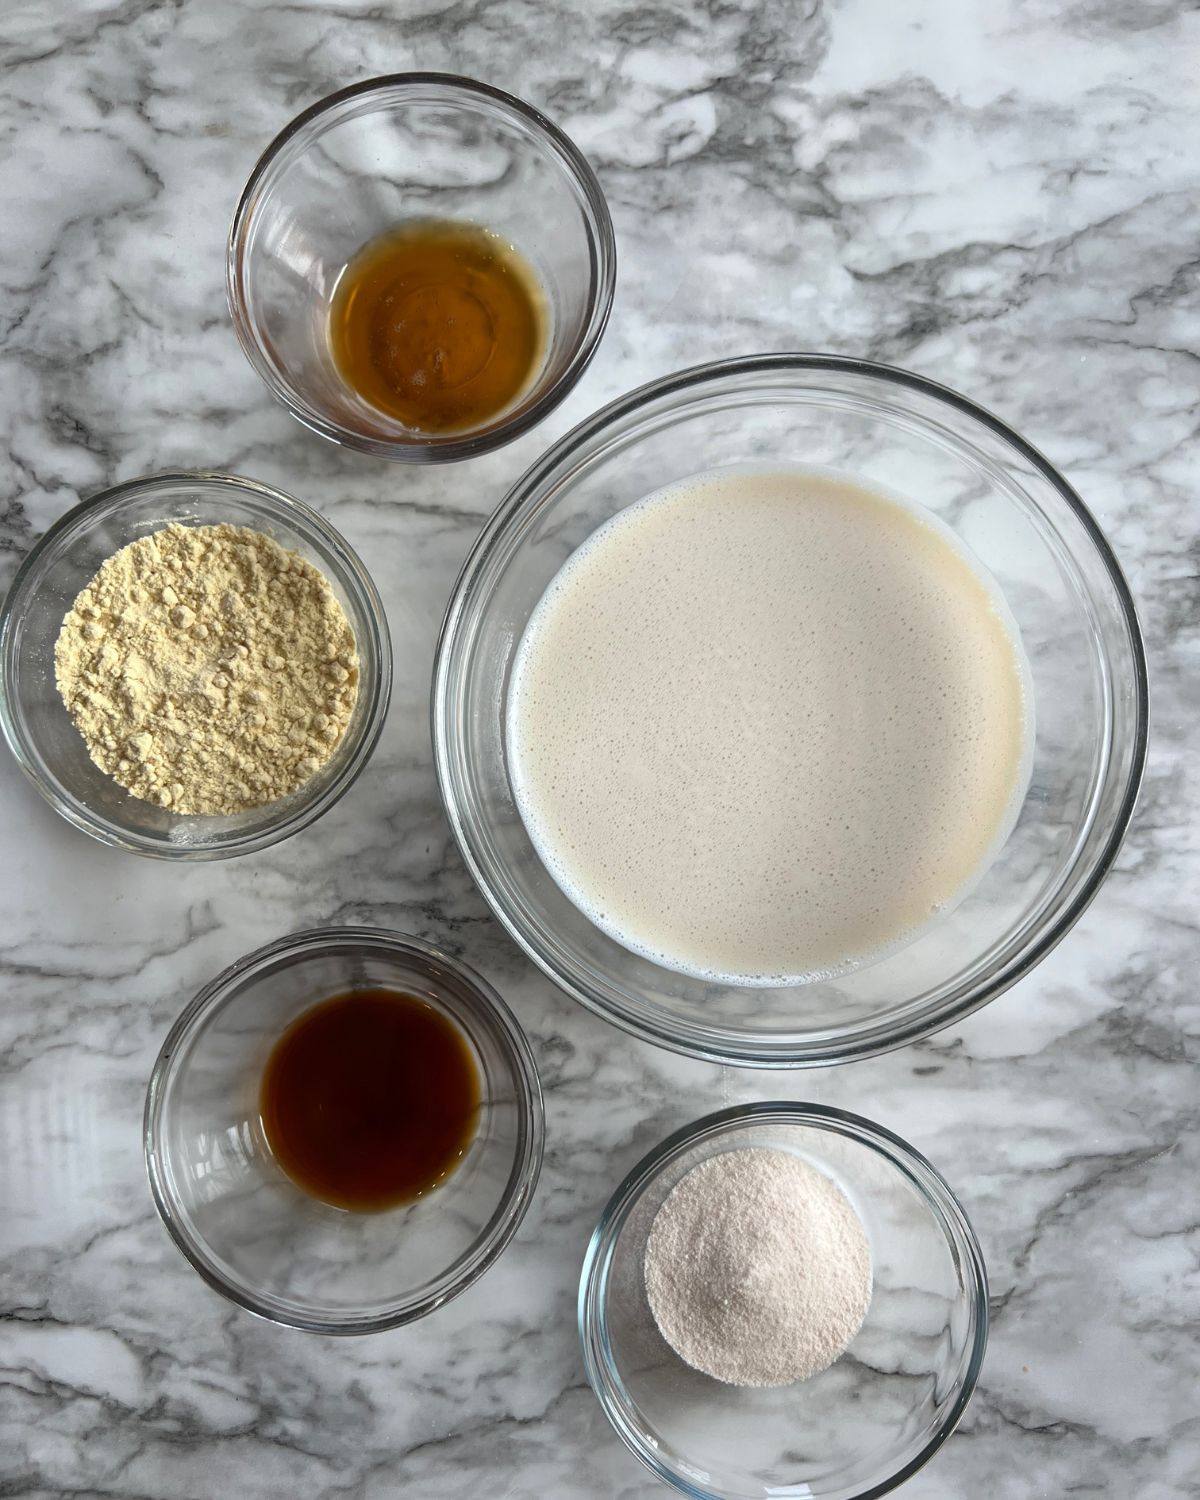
{"points": [[1001, 194]]}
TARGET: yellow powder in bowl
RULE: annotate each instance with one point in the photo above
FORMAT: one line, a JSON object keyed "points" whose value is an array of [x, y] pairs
{"points": [[208, 669]]}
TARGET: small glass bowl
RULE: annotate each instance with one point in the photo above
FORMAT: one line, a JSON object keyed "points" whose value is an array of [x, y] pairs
{"points": [[413, 146], [247, 1229], [1036, 538], [879, 1412], [36, 723]]}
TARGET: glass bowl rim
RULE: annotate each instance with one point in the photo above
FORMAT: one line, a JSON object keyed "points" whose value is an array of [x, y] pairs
{"points": [[602, 246], [303, 812], [522, 1180], [591, 1315], [689, 1038]]}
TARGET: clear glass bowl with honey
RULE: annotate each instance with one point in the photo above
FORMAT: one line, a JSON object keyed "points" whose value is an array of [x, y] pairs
{"points": [[421, 267]]}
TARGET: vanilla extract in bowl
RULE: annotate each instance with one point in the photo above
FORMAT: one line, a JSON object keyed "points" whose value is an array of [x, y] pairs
{"points": [[370, 1100]]}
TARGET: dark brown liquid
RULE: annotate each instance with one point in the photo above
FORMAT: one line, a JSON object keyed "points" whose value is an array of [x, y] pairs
{"points": [[370, 1099], [440, 324]]}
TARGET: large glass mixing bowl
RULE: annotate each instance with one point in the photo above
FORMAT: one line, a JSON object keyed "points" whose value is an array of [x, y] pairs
{"points": [[1017, 515]]}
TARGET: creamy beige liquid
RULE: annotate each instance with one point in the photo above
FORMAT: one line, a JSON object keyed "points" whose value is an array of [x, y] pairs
{"points": [[764, 725]]}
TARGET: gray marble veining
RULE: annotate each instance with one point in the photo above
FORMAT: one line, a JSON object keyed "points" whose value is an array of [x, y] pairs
{"points": [[1002, 196]]}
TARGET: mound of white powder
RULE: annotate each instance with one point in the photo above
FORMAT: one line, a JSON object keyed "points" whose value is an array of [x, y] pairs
{"points": [[758, 1270]]}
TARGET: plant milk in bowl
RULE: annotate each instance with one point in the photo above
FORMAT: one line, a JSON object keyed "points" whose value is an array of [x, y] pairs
{"points": [[767, 723]]}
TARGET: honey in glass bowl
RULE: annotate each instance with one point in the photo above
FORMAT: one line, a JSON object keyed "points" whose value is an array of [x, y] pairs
{"points": [[440, 324]]}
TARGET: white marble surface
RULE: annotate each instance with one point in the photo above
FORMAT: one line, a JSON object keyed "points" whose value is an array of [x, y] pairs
{"points": [[999, 193]]}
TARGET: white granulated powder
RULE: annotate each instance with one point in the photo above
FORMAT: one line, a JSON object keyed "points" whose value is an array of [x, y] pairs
{"points": [[758, 1270]]}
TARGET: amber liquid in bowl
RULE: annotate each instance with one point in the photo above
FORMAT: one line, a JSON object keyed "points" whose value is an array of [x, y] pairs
{"points": [[439, 324], [370, 1099]]}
